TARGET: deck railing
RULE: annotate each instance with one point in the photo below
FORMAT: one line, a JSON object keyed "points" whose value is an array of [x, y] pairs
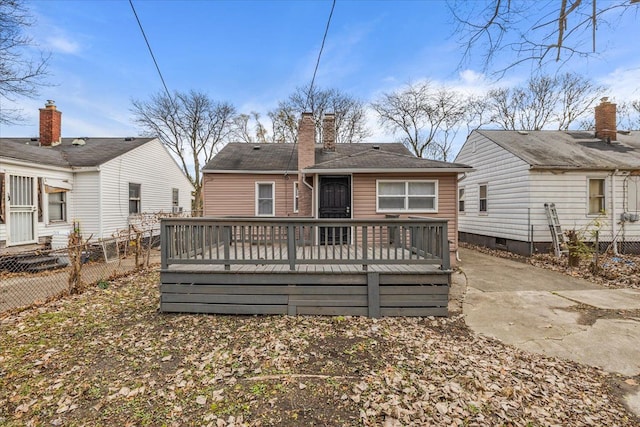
{"points": [[302, 241]]}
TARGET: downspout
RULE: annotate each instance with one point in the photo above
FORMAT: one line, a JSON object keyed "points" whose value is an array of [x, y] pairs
{"points": [[313, 201], [614, 224]]}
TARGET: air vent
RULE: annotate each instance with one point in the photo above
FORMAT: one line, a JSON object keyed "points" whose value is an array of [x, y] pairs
{"points": [[523, 132], [78, 141], [256, 147], [376, 147], [129, 138], [34, 139]]}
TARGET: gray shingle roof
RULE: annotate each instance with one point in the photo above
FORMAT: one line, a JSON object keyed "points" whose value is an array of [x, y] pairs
{"points": [[284, 157], [569, 149], [96, 151]]}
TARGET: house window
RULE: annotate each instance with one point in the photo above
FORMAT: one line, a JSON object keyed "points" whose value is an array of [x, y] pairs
{"points": [[265, 200], [57, 206], [483, 198], [295, 196], [596, 196], [461, 199], [633, 194], [175, 197], [134, 198], [407, 196]]}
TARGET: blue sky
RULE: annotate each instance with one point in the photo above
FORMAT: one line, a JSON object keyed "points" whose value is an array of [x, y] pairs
{"points": [[255, 53]]}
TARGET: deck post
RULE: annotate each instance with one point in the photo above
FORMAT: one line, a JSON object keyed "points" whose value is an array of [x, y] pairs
{"points": [[365, 247], [373, 292], [446, 258], [164, 252], [226, 236], [291, 246]]}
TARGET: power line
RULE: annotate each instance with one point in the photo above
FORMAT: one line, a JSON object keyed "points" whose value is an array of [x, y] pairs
{"points": [[326, 31], [151, 51]]}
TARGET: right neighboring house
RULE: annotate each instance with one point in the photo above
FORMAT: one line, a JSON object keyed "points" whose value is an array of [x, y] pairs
{"points": [[590, 178]]}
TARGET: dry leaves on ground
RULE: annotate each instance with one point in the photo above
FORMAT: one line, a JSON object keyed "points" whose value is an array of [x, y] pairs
{"points": [[108, 358]]}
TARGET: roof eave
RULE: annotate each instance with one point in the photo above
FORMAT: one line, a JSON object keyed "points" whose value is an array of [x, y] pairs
{"points": [[390, 170], [253, 172]]}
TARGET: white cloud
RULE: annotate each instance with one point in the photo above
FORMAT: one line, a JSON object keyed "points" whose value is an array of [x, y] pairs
{"points": [[62, 44], [623, 83]]}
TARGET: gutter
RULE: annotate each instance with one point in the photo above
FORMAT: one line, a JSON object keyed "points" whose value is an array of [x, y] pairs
{"points": [[388, 170]]}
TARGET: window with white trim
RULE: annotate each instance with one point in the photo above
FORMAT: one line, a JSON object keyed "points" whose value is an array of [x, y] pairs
{"points": [[296, 196], [57, 204], [461, 199], [265, 199], [482, 198], [407, 196], [134, 198], [596, 196]]}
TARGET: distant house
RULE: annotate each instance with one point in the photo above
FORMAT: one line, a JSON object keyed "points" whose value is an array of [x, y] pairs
{"points": [[588, 176], [47, 183], [330, 180]]}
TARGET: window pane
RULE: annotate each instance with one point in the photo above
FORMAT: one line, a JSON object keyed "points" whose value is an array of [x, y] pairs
{"points": [[483, 205], [424, 203], [483, 191], [134, 191], [56, 206], [264, 191], [422, 188], [265, 207], [596, 187], [391, 188], [391, 203]]}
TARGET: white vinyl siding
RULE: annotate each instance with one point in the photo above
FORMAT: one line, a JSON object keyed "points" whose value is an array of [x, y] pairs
{"points": [[265, 198], [407, 196], [149, 165], [507, 180]]}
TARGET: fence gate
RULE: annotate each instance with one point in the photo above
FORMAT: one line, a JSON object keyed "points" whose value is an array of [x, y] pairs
{"points": [[22, 210]]}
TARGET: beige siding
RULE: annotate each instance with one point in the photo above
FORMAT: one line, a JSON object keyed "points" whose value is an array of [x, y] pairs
{"points": [[364, 199], [235, 194]]}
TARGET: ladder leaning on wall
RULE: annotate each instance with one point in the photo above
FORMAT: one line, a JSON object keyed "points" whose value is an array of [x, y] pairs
{"points": [[556, 231]]}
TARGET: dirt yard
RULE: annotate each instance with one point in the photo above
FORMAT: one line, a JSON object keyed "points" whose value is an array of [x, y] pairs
{"points": [[108, 358]]}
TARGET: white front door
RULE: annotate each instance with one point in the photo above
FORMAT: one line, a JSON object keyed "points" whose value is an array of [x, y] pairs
{"points": [[21, 221]]}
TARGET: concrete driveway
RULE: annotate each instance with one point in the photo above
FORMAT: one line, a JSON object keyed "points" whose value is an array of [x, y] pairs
{"points": [[550, 313]]}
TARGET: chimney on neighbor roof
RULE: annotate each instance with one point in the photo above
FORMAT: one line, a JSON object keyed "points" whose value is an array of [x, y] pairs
{"points": [[50, 125], [606, 120], [329, 132]]}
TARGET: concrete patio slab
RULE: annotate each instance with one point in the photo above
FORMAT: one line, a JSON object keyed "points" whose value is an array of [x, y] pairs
{"points": [[607, 299]]}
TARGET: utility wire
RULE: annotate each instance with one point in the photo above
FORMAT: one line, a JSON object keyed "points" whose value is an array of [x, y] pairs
{"points": [[151, 51], [326, 31]]}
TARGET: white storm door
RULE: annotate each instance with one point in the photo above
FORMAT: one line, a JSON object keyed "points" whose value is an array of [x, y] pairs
{"points": [[22, 210]]}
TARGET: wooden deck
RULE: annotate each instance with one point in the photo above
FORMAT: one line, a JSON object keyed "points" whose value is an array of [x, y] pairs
{"points": [[234, 266]]}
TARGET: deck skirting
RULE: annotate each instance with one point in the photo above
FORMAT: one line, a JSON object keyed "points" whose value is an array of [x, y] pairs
{"points": [[354, 293]]}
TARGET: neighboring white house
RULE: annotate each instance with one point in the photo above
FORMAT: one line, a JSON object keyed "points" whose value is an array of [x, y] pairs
{"points": [[48, 183], [590, 178]]}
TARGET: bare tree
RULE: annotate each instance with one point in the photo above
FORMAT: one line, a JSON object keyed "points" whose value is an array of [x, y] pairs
{"points": [[551, 30], [543, 101], [248, 128], [629, 115], [427, 119], [577, 95], [191, 125], [20, 74], [349, 114]]}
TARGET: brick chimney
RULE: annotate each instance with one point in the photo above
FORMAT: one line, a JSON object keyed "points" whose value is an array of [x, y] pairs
{"points": [[329, 132], [50, 125], [606, 120], [306, 158]]}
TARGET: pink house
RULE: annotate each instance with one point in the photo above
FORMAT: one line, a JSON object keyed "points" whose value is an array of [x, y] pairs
{"points": [[329, 180]]}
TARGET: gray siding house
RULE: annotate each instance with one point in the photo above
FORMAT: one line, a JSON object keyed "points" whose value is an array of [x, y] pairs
{"points": [[589, 176]]}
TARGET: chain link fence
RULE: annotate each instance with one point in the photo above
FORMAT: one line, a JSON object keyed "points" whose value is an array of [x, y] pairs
{"points": [[33, 277]]}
